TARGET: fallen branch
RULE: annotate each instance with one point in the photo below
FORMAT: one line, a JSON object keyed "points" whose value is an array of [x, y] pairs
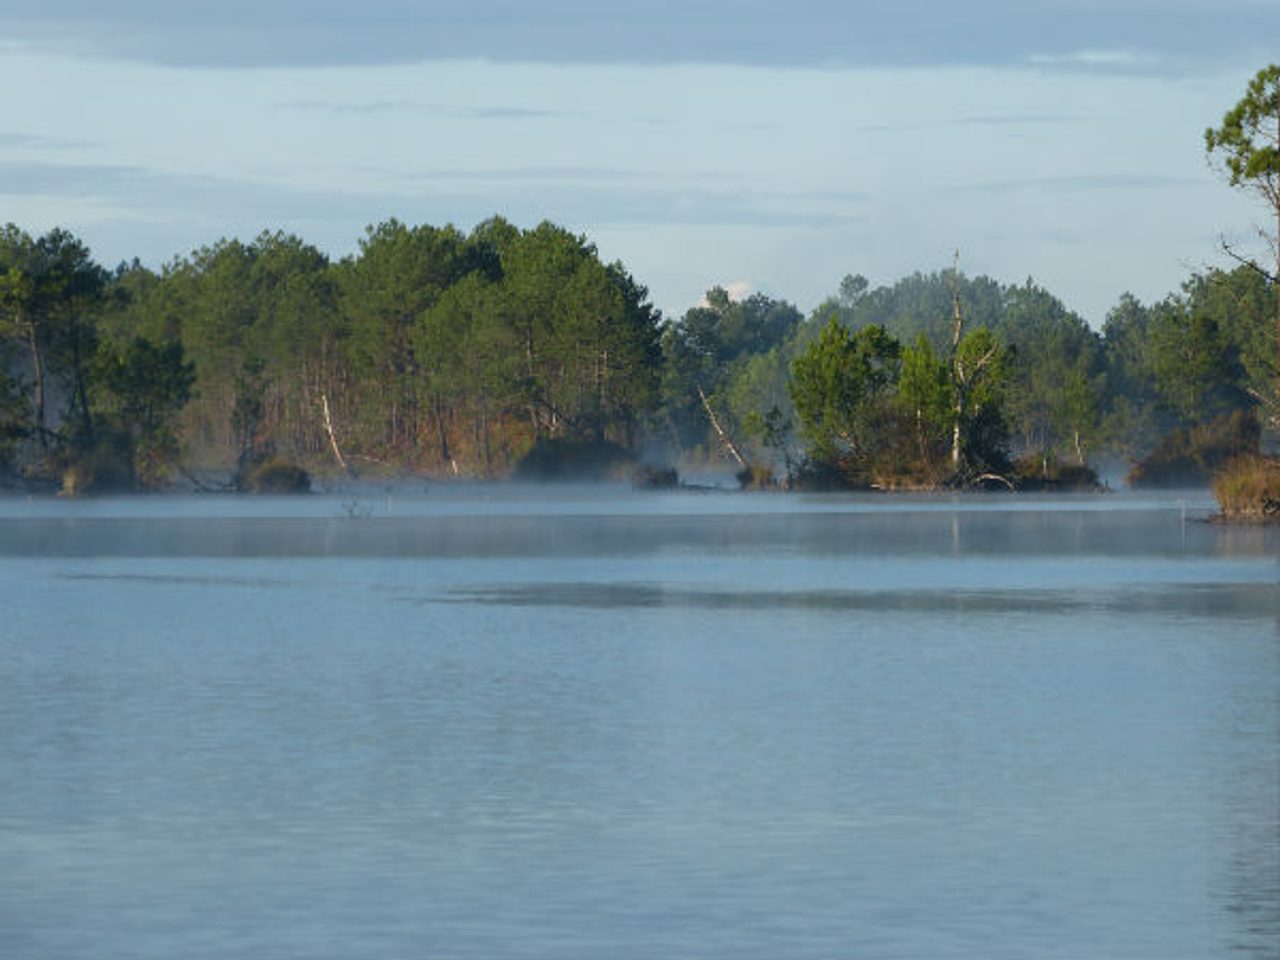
{"points": [[983, 477]]}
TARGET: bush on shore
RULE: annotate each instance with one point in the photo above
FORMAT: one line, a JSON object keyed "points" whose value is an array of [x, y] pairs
{"points": [[272, 475], [1033, 473], [1190, 457], [554, 459], [651, 477], [1248, 488]]}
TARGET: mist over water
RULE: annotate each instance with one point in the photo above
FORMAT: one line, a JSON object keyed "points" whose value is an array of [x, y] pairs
{"points": [[486, 722]]}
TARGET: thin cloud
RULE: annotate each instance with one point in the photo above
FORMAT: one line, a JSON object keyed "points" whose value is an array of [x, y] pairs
{"points": [[371, 108], [562, 198], [1124, 60], [152, 191], [28, 141], [1119, 35], [534, 174], [1126, 182], [1017, 120]]}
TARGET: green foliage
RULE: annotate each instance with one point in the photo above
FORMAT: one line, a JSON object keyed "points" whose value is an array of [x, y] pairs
{"points": [[104, 464], [549, 333], [428, 347], [981, 375], [1246, 142], [926, 398], [148, 385], [840, 386], [1240, 303], [460, 353], [50, 291], [737, 352], [1194, 357], [1196, 367], [911, 307], [144, 388], [1057, 375]]}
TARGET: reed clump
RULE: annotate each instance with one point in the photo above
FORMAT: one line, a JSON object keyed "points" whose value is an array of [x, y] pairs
{"points": [[1248, 488]]}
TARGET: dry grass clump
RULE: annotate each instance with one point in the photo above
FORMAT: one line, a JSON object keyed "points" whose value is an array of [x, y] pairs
{"points": [[757, 476], [1248, 488]]}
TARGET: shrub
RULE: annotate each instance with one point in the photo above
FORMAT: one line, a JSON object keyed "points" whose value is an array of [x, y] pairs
{"points": [[569, 460], [757, 476], [104, 466], [649, 477], [1033, 472], [1191, 455], [273, 475], [1248, 488]]}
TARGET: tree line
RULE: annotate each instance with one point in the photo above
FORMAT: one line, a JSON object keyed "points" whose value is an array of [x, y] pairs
{"points": [[456, 353], [942, 378], [429, 349], [434, 350]]}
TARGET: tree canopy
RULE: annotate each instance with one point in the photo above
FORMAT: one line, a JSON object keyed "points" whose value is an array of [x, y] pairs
{"points": [[456, 353]]}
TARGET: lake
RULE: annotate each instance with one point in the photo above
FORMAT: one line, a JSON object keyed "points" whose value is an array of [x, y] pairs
{"points": [[586, 722]]}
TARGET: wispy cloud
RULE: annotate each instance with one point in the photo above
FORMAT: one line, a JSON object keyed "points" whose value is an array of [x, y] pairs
{"points": [[1119, 181], [374, 108], [150, 191], [1124, 60], [586, 196], [1073, 34], [33, 141], [534, 174], [1017, 120]]}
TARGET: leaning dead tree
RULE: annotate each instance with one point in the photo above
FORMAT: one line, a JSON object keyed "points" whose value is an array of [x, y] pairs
{"points": [[957, 371], [333, 437], [720, 431]]}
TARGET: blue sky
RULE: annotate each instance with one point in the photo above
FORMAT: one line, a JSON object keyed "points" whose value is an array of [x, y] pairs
{"points": [[765, 145]]}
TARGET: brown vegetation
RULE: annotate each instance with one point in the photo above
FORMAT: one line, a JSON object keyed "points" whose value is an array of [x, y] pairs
{"points": [[272, 475], [1248, 488], [1189, 457], [1034, 473]]}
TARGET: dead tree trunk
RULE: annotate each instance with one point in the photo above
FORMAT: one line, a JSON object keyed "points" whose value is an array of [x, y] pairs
{"points": [[720, 432], [957, 372], [328, 428]]}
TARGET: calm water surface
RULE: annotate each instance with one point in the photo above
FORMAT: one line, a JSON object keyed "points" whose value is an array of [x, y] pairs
{"points": [[507, 723]]}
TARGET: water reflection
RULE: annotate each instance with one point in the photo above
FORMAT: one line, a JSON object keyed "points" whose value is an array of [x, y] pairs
{"points": [[1208, 600], [930, 533], [619, 726]]}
